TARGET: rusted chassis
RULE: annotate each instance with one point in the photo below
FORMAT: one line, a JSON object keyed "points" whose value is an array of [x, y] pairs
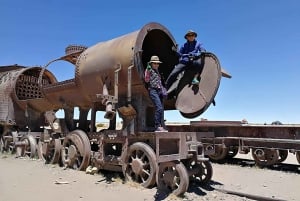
{"points": [[269, 144], [169, 160]]}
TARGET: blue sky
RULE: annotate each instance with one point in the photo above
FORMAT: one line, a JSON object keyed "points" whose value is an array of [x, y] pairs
{"points": [[256, 41]]}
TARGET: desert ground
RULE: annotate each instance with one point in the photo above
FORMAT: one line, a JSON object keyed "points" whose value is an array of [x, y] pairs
{"points": [[31, 180]]}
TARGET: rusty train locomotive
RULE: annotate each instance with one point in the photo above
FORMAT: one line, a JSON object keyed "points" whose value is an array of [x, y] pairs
{"points": [[109, 78]]}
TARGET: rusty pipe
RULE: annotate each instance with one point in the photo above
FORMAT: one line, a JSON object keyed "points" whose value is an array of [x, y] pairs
{"points": [[129, 83]]}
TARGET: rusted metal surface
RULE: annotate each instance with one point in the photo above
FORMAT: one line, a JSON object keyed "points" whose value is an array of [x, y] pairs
{"points": [[114, 70], [269, 144], [193, 100], [97, 64], [21, 96], [239, 129]]}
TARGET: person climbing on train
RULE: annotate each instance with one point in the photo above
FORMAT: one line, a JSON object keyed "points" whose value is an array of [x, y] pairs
{"points": [[156, 91], [188, 55]]}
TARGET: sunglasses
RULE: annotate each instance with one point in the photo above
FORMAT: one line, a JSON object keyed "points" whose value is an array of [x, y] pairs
{"points": [[155, 63]]}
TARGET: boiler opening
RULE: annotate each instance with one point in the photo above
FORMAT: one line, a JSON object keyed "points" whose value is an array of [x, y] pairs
{"points": [[158, 43]]}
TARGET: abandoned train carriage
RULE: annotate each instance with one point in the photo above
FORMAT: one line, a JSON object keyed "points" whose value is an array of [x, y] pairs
{"points": [[109, 78]]}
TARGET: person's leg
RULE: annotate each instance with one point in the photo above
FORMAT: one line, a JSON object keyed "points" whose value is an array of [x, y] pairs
{"points": [[197, 65], [163, 115], [173, 75], [154, 95]]}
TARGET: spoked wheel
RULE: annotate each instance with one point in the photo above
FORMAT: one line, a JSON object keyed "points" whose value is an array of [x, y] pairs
{"points": [[220, 154], [200, 172], [139, 165], [50, 151], [232, 152], [1, 145], [265, 157], [27, 146], [76, 150], [283, 154], [173, 176], [298, 156], [7, 141]]}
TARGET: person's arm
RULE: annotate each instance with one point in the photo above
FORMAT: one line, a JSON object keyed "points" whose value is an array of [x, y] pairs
{"points": [[181, 50], [198, 49], [147, 73]]}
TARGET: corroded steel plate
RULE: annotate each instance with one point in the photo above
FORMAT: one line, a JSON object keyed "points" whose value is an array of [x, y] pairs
{"points": [[193, 100]]}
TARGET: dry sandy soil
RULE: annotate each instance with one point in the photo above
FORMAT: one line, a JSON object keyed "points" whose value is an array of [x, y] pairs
{"points": [[32, 180]]}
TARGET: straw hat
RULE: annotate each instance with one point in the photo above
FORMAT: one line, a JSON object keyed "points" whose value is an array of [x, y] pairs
{"points": [[155, 59], [190, 32]]}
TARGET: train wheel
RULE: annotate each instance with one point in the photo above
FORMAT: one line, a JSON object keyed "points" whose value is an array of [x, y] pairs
{"points": [[283, 154], [28, 148], [76, 150], [49, 151], [219, 155], [265, 157], [1, 145], [232, 152], [173, 177], [298, 156], [8, 139], [139, 165], [200, 171]]}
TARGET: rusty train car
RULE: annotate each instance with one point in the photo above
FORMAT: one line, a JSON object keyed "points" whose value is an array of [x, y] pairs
{"points": [[269, 144], [109, 78]]}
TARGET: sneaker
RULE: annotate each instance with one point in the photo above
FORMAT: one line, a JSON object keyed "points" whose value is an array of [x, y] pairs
{"points": [[160, 129], [195, 81]]}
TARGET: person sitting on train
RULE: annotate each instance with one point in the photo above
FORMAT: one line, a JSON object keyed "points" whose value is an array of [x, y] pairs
{"points": [[188, 55], [156, 92]]}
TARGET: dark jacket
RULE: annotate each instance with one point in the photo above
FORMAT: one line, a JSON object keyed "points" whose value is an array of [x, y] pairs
{"points": [[189, 49]]}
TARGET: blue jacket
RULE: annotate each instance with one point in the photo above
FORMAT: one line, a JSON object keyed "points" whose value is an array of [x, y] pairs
{"points": [[193, 48]]}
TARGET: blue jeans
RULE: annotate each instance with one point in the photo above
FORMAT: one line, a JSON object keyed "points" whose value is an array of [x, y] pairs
{"points": [[178, 69], [159, 107]]}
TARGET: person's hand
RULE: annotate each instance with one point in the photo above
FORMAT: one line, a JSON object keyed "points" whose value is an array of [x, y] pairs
{"points": [[148, 66], [197, 54]]}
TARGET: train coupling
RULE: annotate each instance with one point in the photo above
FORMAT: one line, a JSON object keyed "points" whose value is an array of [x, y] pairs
{"points": [[195, 148]]}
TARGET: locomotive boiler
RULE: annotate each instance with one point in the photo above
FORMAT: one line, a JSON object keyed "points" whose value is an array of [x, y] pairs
{"points": [[109, 77]]}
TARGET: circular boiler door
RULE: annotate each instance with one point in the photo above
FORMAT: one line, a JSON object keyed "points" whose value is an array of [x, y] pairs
{"points": [[193, 99]]}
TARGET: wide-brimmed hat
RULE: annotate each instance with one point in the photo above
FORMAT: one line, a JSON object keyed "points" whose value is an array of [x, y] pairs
{"points": [[155, 59], [190, 32]]}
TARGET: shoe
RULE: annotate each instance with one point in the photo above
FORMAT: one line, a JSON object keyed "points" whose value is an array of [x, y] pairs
{"points": [[160, 129], [195, 81]]}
